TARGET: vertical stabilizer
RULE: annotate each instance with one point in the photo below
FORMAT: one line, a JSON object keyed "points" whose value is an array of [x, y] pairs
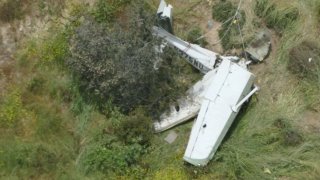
{"points": [[164, 15]]}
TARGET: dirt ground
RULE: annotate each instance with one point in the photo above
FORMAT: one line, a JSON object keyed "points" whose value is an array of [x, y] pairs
{"points": [[311, 122]]}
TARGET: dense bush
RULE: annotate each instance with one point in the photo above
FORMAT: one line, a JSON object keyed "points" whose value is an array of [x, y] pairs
{"points": [[120, 145], [23, 156], [135, 129], [278, 19], [114, 64], [112, 159], [55, 48]]}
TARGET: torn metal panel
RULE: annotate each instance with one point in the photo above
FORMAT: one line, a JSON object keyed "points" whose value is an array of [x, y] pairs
{"points": [[230, 85], [187, 107]]}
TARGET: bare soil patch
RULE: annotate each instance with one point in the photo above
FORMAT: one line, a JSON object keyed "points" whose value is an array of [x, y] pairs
{"points": [[310, 122]]}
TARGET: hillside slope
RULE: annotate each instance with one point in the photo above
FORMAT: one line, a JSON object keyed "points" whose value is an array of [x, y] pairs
{"points": [[51, 128]]}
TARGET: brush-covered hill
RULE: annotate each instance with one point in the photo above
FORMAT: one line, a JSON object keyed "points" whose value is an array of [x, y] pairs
{"points": [[79, 94]]}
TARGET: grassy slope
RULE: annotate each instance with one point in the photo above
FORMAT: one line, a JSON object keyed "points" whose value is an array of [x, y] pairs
{"points": [[47, 127], [257, 146]]}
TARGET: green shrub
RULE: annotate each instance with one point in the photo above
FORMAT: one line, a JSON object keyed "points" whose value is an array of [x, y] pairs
{"points": [[106, 10], [193, 36], [111, 159], [113, 65], [278, 19], [263, 8], [118, 146], [35, 158], [54, 49], [135, 128], [11, 109], [223, 10]]}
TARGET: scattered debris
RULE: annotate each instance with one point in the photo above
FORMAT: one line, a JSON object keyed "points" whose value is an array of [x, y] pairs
{"points": [[172, 136], [260, 47]]}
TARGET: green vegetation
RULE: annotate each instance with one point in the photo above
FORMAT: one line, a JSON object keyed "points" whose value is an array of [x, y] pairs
{"points": [[115, 149], [194, 36], [106, 10], [113, 65], [225, 12], [276, 18], [304, 62], [68, 110]]}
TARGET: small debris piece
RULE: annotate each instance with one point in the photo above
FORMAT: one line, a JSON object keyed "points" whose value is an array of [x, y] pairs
{"points": [[267, 171], [172, 136], [210, 24]]}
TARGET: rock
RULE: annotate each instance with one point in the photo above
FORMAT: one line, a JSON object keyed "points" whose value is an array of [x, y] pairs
{"points": [[259, 48]]}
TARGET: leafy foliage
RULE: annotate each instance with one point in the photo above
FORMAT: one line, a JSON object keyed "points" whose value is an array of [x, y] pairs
{"points": [[120, 145], [115, 64], [27, 156], [11, 109], [112, 159], [135, 129], [55, 49]]}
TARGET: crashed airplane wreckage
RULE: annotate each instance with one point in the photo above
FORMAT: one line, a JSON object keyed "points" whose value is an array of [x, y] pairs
{"points": [[216, 99]]}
